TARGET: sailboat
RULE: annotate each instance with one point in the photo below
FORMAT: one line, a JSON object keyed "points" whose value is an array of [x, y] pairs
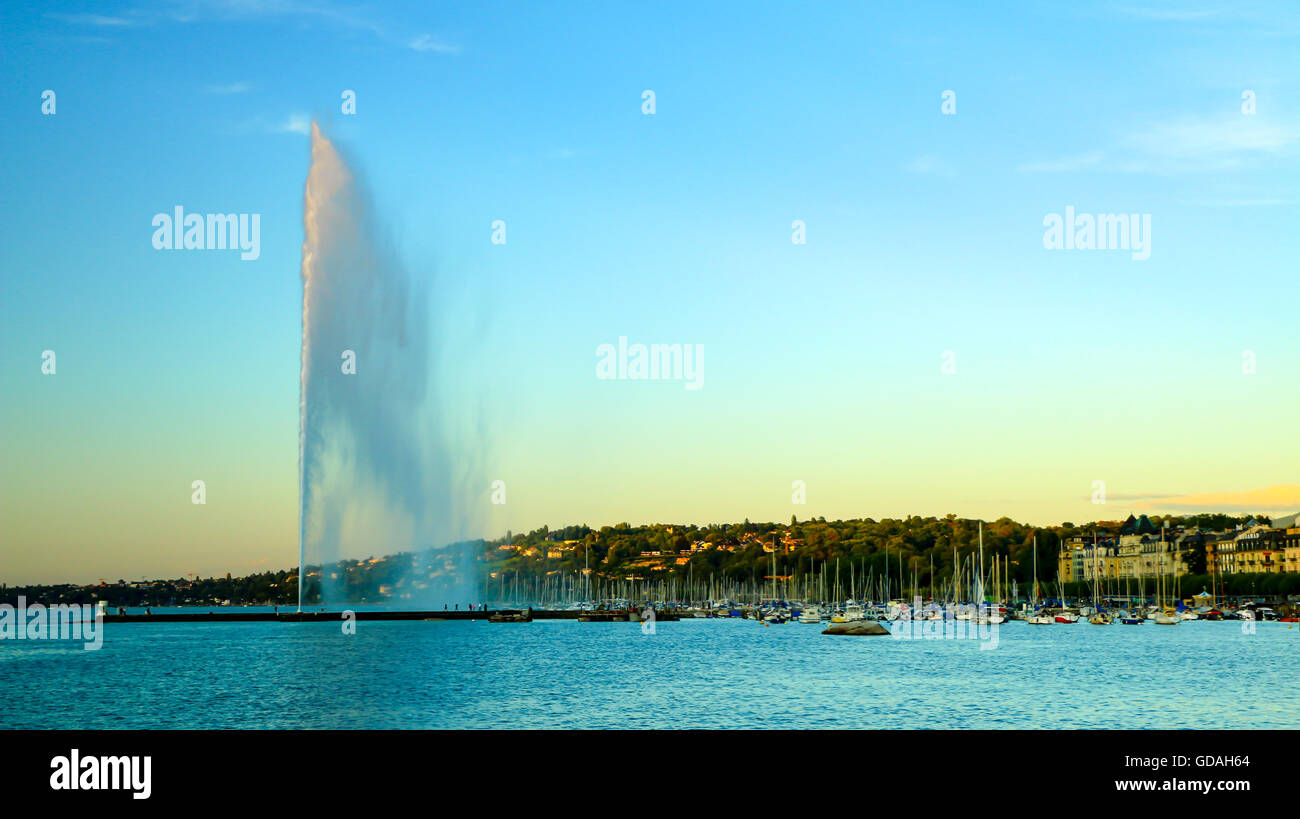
{"points": [[1163, 616], [1098, 617], [1064, 615], [1037, 618], [988, 616]]}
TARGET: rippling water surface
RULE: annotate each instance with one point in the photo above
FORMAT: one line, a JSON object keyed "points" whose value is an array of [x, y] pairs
{"points": [[689, 674]]}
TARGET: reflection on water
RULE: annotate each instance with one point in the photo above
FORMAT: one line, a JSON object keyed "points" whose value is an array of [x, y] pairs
{"points": [[693, 673]]}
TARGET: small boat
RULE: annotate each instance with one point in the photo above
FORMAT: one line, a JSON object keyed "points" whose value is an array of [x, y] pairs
{"points": [[1191, 615], [1039, 620], [812, 614], [1100, 618], [1067, 617], [1131, 621]]}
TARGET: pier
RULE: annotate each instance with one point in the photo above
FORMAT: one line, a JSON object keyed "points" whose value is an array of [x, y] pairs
{"points": [[215, 616]]}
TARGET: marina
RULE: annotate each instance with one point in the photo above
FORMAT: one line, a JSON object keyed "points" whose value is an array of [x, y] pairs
{"points": [[775, 612]]}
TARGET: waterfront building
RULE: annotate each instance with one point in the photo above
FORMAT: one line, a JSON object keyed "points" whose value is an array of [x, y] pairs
{"points": [[1291, 550], [1141, 550], [1260, 550], [1226, 554]]}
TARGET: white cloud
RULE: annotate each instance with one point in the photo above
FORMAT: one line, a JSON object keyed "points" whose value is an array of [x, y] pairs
{"points": [[1185, 144], [1063, 165], [232, 88], [294, 124], [344, 17], [1169, 13], [930, 165], [1213, 138], [1244, 202], [100, 20], [426, 43]]}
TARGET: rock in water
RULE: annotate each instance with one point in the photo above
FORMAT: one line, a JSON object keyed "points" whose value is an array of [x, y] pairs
{"points": [[859, 627]]}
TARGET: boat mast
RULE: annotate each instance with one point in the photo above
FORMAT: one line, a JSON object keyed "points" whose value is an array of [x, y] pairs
{"points": [[1094, 568], [956, 576], [1034, 604]]}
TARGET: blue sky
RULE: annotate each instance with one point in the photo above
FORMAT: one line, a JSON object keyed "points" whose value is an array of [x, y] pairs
{"points": [[822, 360]]}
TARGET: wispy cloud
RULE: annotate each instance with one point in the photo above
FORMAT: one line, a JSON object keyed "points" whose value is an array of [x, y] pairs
{"points": [[98, 20], [1258, 19], [232, 88], [1064, 164], [930, 165], [1204, 138], [427, 43], [194, 12], [293, 124], [1170, 12], [1184, 144], [1281, 497], [1259, 202]]}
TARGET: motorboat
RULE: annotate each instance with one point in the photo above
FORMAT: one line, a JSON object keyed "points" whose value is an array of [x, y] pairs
{"points": [[811, 614], [990, 616]]}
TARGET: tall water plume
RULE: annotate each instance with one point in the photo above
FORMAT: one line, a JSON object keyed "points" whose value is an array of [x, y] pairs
{"points": [[376, 470]]}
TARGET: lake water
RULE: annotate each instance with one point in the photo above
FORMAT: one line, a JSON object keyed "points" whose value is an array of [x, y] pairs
{"points": [[688, 674]]}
